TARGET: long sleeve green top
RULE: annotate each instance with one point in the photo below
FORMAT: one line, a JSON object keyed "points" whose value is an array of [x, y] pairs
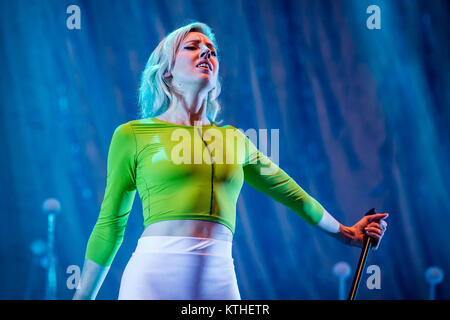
{"points": [[185, 172]]}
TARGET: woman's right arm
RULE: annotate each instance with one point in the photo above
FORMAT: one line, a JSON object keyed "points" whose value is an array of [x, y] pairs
{"points": [[109, 230], [91, 280]]}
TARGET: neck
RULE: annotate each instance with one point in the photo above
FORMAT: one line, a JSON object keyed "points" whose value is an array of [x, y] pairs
{"points": [[187, 109]]}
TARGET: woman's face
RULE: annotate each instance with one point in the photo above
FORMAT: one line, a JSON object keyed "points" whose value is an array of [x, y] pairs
{"points": [[196, 65]]}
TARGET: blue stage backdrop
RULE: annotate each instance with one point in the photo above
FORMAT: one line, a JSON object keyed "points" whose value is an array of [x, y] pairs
{"points": [[363, 119]]}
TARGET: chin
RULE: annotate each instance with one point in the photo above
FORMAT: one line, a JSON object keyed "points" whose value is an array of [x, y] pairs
{"points": [[207, 82]]}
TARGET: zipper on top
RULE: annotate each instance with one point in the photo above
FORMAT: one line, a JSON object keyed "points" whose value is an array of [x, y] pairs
{"points": [[212, 172]]}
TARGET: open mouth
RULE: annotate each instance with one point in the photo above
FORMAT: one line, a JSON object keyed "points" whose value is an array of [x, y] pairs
{"points": [[205, 66]]}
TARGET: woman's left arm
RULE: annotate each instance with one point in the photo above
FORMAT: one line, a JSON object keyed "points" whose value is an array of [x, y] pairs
{"points": [[265, 176]]}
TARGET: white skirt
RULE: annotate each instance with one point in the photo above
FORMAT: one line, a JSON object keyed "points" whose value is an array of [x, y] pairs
{"points": [[180, 268]]}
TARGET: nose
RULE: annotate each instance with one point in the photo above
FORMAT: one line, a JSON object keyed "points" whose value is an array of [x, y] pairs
{"points": [[205, 52]]}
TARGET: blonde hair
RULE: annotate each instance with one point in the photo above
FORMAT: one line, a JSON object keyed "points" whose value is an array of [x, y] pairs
{"points": [[154, 92]]}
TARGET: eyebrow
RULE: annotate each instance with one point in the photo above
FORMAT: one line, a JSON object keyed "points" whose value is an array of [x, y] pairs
{"points": [[208, 44]]}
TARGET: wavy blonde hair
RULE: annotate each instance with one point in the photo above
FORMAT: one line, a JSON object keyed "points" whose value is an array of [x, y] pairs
{"points": [[154, 92]]}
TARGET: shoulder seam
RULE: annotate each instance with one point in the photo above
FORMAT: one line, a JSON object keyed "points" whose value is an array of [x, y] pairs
{"points": [[135, 144], [128, 124]]}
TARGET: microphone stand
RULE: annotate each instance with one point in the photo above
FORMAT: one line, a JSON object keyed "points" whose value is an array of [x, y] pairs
{"points": [[367, 245]]}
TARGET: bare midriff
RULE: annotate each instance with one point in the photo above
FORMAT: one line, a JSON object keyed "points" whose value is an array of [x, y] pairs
{"points": [[189, 228]]}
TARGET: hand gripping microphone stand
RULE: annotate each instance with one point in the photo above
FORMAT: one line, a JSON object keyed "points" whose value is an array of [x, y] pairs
{"points": [[367, 245]]}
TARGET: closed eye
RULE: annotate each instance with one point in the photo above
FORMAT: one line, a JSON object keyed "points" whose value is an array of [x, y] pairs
{"points": [[194, 48]]}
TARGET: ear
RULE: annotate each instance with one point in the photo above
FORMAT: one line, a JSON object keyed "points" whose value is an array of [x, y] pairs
{"points": [[167, 74]]}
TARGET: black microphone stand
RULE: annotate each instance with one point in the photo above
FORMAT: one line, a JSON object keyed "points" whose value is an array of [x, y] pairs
{"points": [[367, 245]]}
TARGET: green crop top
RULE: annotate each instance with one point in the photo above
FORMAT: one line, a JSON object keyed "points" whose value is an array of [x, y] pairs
{"points": [[185, 172]]}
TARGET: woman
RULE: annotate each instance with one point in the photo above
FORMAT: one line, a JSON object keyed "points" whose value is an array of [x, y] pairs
{"points": [[188, 183]]}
